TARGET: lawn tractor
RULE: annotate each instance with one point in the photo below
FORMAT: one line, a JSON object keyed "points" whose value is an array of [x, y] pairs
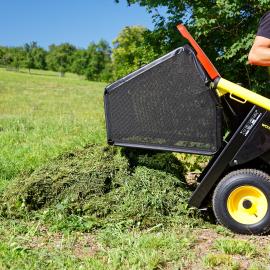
{"points": [[180, 103]]}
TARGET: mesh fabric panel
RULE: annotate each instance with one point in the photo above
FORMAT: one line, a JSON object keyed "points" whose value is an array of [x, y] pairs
{"points": [[165, 105]]}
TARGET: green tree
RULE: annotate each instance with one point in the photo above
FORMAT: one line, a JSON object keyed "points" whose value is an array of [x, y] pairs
{"points": [[15, 57], [39, 56], [225, 29], [133, 48], [6, 58], [59, 58], [29, 57], [2, 53], [79, 62], [94, 62], [99, 61]]}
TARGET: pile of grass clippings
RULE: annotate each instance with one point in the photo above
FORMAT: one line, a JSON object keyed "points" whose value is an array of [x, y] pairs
{"points": [[106, 183]]}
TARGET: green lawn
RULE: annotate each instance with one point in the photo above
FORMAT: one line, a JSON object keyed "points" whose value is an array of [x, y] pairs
{"points": [[43, 116]]}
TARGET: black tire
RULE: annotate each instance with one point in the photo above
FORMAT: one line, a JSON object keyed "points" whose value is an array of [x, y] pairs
{"points": [[232, 181]]}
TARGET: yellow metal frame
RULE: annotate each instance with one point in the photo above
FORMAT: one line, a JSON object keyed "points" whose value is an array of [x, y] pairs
{"points": [[242, 94]]}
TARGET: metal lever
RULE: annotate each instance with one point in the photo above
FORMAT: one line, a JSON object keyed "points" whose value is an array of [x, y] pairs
{"points": [[242, 101]]}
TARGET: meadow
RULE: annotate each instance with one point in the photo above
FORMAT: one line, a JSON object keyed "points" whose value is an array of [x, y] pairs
{"points": [[47, 121], [43, 115]]}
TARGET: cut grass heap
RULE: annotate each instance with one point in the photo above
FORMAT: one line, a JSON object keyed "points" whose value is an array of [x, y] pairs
{"points": [[134, 188]]}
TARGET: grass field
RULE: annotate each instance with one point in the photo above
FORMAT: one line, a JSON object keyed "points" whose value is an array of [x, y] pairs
{"points": [[43, 116]]}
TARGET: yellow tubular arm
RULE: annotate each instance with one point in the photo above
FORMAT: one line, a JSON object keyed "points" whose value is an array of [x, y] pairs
{"points": [[244, 94]]}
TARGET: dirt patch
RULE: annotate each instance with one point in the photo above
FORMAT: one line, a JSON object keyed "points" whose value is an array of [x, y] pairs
{"points": [[85, 246], [205, 245], [81, 245], [205, 240]]}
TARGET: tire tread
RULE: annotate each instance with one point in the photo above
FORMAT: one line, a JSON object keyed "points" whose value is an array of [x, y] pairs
{"points": [[230, 178]]}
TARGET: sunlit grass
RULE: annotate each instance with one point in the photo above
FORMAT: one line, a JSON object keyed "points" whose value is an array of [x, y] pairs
{"points": [[42, 115], [235, 246]]}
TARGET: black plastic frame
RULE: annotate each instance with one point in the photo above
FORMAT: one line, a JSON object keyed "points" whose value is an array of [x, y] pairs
{"points": [[226, 156], [206, 80]]}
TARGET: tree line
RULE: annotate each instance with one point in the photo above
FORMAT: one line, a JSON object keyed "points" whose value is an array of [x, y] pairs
{"points": [[134, 47], [93, 62], [224, 29]]}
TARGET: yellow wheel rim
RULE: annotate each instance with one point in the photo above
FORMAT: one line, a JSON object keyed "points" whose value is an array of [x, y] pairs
{"points": [[247, 205]]}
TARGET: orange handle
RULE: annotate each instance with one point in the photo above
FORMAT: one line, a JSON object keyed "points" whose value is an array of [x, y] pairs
{"points": [[202, 57]]}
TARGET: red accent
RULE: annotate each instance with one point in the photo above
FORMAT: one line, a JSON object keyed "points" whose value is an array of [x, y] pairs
{"points": [[207, 64]]}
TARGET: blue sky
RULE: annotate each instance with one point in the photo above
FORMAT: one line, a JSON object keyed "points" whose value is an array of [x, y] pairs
{"points": [[55, 21]]}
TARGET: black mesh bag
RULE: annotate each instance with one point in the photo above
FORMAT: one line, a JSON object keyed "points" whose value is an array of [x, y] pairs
{"points": [[165, 105]]}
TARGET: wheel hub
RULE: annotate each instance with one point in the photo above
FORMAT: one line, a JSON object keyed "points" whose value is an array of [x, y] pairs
{"points": [[247, 205]]}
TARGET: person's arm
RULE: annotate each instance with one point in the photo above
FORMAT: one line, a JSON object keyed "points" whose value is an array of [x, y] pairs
{"points": [[260, 52]]}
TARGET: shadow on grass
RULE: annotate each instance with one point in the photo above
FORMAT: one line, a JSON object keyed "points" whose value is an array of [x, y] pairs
{"points": [[32, 73], [169, 163], [40, 74]]}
